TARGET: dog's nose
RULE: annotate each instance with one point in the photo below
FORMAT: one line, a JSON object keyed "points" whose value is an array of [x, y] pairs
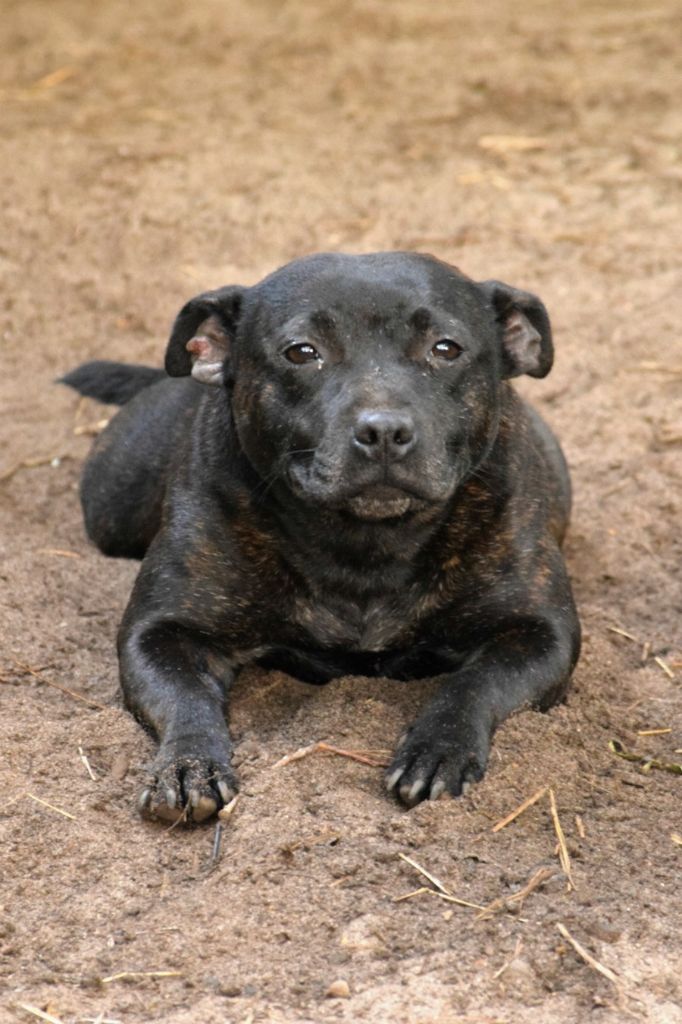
{"points": [[384, 434]]}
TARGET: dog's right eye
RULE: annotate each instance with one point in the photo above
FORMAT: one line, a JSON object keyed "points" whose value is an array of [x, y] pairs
{"points": [[446, 349], [302, 353]]}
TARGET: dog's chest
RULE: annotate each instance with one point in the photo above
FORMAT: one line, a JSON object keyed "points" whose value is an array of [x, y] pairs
{"points": [[371, 625]]}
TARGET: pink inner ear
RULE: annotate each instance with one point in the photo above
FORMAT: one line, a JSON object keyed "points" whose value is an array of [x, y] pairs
{"points": [[201, 347], [211, 343], [209, 350]]}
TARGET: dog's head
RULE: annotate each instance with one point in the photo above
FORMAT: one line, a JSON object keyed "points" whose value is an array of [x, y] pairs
{"points": [[368, 384]]}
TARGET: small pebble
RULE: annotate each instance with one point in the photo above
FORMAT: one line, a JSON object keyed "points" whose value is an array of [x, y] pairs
{"points": [[338, 990]]}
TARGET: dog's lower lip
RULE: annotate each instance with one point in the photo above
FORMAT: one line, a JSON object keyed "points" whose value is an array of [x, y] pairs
{"points": [[380, 503]]}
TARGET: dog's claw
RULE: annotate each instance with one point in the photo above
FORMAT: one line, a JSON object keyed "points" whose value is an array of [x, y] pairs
{"points": [[151, 805], [200, 806], [410, 793], [226, 792], [392, 779], [437, 789]]}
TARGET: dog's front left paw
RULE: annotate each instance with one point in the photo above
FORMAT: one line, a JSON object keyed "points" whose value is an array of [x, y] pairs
{"points": [[437, 757], [190, 787]]}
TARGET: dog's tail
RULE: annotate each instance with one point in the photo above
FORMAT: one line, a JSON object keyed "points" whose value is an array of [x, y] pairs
{"points": [[111, 383]]}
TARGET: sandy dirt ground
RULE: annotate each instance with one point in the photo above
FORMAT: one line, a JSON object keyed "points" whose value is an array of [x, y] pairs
{"points": [[151, 150]]}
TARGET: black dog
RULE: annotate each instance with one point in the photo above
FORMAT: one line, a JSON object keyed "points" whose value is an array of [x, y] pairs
{"points": [[346, 484]]}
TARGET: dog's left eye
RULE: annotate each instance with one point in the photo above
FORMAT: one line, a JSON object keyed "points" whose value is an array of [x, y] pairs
{"points": [[302, 353], [446, 349]]}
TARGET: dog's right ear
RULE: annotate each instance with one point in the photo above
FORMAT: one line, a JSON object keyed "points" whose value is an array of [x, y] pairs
{"points": [[202, 333]]}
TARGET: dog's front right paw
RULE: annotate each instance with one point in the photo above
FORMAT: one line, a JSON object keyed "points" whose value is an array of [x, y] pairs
{"points": [[186, 786]]}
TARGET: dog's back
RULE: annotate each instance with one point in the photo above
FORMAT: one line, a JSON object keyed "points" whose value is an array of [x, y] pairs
{"points": [[124, 479]]}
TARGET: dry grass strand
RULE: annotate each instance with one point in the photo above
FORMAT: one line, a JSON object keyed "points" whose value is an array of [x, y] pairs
{"points": [[135, 975], [519, 810], [40, 1014], [564, 858], [52, 807], [587, 956]]}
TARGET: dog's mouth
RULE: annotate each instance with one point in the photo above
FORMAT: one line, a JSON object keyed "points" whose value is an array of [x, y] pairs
{"points": [[378, 503], [366, 501]]}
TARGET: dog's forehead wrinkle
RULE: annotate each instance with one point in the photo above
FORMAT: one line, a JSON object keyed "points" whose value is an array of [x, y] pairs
{"points": [[293, 326], [323, 320], [421, 319]]}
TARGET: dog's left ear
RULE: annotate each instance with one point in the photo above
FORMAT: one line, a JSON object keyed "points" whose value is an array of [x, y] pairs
{"points": [[526, 334], [202, 334]]}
